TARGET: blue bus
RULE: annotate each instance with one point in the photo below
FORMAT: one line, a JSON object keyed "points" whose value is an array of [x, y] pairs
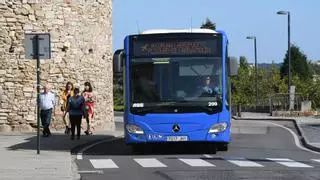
{"points": [[176, 87]]}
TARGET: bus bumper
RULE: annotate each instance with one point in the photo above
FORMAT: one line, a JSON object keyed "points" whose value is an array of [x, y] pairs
{"points": [[196, 136]]}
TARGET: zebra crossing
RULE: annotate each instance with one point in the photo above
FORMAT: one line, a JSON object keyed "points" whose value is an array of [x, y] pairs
{"points": [[208, 162]]}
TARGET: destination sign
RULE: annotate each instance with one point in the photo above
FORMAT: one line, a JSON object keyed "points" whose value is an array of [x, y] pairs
{"points": [[176, 47]]}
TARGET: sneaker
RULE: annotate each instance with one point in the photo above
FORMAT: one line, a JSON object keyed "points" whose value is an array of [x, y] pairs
{"points": [[88, 132]]}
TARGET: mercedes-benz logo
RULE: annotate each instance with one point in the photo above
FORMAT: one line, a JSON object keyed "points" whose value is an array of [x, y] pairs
{"points": [[175, 128]]}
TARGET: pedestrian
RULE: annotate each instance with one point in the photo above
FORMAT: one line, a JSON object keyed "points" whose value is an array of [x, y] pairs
{"points": [[47, 105], [65, 95], [89, 105], [75, 109]]}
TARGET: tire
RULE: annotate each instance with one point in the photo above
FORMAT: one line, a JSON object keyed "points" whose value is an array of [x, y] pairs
{"points": [[222, 147]]}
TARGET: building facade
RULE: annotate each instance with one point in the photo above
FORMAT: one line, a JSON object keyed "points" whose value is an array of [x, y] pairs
{"points": [[81, 46]]}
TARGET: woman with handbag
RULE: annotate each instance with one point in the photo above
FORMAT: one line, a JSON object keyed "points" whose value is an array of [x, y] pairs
{"points": [[65, 95], [88, 106]]}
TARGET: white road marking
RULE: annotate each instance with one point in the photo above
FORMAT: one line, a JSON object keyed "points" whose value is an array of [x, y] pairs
{"points": [[317, 160], [197, 163], [149, 162], [242, 162], [289, 162], [207, 156], [79, 154], [103, 163], [91, 172], [295, 137]]}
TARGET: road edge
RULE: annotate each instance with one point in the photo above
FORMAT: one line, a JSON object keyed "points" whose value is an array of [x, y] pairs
{"points": [[305, 142]]}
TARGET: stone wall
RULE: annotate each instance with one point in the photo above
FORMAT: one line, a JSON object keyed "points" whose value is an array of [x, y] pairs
{"points": [[81, 41]]}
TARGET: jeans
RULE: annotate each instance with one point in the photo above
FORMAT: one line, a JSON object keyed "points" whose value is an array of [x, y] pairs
{"points": [[75, 121], [46, 116]]}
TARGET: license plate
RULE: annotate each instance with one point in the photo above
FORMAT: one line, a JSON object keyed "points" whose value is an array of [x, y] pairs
{"points": [[177, 138]]}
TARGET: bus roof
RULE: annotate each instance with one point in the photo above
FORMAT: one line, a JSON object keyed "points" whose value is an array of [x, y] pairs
{"points": [[165, 31]]}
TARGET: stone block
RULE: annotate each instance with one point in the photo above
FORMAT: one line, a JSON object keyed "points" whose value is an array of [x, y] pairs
{"points": [[9, 84], [3, 121], [5, 128], [4, 110], [32, 17], [8, 15], [11, 20], [39, 13], [3, 114], [12, 33], [49, 15], [58, 22], [2, 72], [29, 117], [28, 89]]}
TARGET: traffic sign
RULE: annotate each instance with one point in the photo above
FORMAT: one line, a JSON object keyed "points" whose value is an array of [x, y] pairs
{"points": [[31, 48]]}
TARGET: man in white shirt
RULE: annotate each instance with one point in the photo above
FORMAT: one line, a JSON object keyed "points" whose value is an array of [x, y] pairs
{"points": [[47, 104]]}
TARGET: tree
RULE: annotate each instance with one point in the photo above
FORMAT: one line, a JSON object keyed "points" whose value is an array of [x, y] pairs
{"points": [[243, 88], [314, 67], [299, 64], [208, 24]]}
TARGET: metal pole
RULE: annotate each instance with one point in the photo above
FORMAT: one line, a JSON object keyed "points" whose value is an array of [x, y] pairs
{"points": [[289, 52], [38, 93], [289, 62], [256, 68]]}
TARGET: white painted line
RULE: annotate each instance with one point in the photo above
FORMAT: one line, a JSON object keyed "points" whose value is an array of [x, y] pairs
{"points": [[197, 163], [207, 156], [91, 172], [79, 156], [149, 162], [242, 162], [295, 137], [80, 153], [103, 163], [317, 160], [289, 162]]}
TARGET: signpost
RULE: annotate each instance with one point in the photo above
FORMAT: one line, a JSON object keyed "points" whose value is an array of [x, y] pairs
{"points": [[37, 46]]}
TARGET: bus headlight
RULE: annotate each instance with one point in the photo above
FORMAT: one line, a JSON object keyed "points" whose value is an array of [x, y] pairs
{"points": [[133, 129], [219, 127]]}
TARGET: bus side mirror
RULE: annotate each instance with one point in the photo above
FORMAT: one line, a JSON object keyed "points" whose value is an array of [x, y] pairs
{"points": [[118, 62], [233, 66]]}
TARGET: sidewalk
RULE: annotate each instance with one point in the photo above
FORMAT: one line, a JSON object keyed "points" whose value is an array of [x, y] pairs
{"points": [[308, 127], [19, 158]]}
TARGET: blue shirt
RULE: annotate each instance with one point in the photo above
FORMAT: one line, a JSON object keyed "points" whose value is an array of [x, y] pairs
{"points": [[75, 105], [210, 90], [47, 101]]}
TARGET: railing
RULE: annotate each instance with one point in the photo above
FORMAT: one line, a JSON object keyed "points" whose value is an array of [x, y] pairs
{"points": [[275, 102]]}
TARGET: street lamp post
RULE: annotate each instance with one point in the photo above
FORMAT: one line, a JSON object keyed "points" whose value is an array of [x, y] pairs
{"points": [[289, 48], [256, 65]]}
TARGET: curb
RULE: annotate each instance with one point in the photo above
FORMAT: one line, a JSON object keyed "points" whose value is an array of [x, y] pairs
{"points": [[305, 142], [118, 113]]}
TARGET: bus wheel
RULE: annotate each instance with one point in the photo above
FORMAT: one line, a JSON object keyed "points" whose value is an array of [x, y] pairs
{"points": [[222, 147]]}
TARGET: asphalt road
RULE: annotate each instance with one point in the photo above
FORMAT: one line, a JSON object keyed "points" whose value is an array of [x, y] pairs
{"points": [[259, 150]]}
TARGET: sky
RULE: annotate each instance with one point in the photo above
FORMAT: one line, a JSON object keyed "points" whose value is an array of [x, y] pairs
{"points": [[238, 18]]}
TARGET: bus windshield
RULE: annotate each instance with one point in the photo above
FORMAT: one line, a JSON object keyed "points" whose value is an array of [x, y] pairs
{"points": [[187, 82]]}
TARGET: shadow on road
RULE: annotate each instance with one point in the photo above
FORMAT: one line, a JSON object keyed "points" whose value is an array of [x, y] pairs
{"points": [[56, 142], [118, 147]]}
